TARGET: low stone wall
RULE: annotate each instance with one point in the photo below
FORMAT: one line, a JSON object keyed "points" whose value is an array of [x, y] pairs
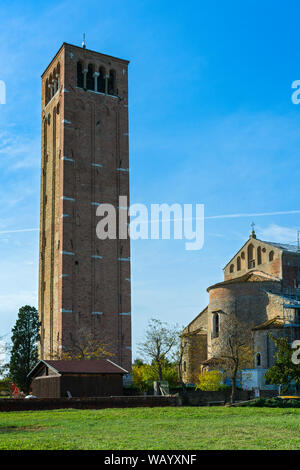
{"points": [[87, 403], [268, 393], [198, 397]]}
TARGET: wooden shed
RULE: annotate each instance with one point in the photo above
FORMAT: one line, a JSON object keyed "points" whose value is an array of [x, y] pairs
{"points": [[88, 378]]}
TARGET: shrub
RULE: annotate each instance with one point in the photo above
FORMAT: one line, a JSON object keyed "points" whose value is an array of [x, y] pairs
{"points": [[144, 375], [275, 402], [209, 380], [4, 389]]}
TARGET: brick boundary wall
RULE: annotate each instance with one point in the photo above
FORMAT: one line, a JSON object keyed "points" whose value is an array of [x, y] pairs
{"points": [[195, 398], [202, 398], [88, 403]]}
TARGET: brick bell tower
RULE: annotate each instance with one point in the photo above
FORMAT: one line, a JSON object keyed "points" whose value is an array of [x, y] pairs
{"points": [[84, 282]]}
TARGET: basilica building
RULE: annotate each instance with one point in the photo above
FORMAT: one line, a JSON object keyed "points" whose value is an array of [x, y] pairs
{"points": [[261, 288]]}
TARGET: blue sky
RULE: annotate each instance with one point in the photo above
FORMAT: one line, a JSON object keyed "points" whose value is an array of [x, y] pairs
{"points": [[211, 121]]}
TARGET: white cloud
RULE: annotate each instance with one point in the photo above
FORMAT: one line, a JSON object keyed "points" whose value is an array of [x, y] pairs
{"points": [[19, 152], [277, 233]]}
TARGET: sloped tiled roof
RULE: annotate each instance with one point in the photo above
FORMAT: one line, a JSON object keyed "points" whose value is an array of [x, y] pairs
{"points": [[97, 366], [251, 276], [284, 247]]}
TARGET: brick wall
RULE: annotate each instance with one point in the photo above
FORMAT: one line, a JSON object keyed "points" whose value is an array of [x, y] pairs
{"points": [[87, 403]]}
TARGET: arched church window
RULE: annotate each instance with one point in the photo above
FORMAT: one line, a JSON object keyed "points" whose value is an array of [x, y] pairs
{"points": [[258, 359], [79, 74], [90, 82], [231, 269], [215, 325], [259, 255], [251, 260], [271, 255], [238, 263], [112, 82], [101, 80]]}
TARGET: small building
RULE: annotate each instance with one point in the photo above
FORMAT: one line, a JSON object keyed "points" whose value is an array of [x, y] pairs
{"points": [[77, 378]]}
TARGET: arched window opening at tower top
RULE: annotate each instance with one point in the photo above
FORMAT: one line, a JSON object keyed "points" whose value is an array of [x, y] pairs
{"points": [[90, 82], [47, 92], [52, 84], [112, 83], [101, 80], [79, 74], [56, 79]]}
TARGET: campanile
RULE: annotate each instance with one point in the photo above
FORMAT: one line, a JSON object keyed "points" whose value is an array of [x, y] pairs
{"points": [[84, 282]]}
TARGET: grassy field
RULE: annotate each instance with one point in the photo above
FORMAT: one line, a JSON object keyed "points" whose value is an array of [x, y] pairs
{"points": [[152, 428]]}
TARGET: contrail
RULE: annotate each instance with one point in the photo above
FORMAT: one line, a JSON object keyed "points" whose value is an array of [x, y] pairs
{"points": [[20, 231], [228, 216], [224, 216], [258, 214]]}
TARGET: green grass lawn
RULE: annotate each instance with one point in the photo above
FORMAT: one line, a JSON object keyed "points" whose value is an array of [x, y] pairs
{"points": [[152, 428]]}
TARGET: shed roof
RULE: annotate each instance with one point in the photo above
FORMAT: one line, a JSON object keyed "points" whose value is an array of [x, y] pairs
{"points": [[93, 366]]}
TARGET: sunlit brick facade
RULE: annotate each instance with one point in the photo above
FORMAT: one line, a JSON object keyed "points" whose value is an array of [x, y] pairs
{"points": [[84, 282]]}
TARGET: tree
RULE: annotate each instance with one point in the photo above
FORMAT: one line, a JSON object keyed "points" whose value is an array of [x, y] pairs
{"points": [[284, 371], [138, 362], [209, 380], [234, 349], [180, 353], [4, 348], [143, 375], [24, 351], [85, 346], [160, 342]]}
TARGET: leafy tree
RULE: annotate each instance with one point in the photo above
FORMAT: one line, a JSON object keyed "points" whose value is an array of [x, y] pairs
{"points": [[138, 362], [24, 351], [209, 380], [180, 354], [4, 349], [144, 375], [284, 371], [4, 386], [85, 346], [234, 349], [160, 342]]}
